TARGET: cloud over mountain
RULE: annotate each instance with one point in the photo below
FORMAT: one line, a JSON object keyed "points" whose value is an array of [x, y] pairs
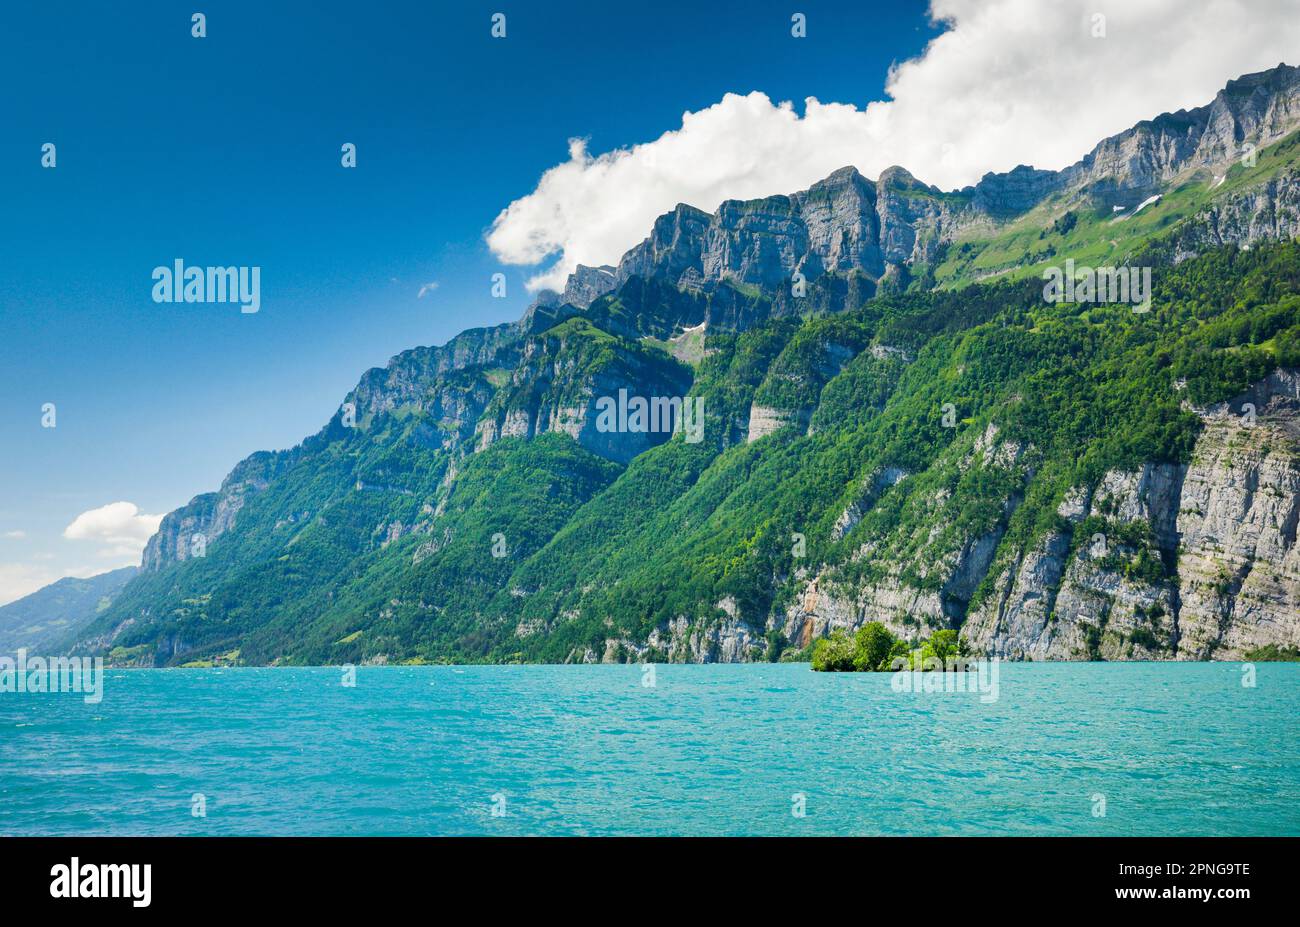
{"points": [[1008, 82]]}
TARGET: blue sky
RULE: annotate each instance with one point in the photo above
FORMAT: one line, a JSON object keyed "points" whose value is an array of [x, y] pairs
{"points": [[226, 150]]}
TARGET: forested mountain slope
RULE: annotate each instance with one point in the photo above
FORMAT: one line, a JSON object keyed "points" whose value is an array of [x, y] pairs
{"points": [[897, 426]]}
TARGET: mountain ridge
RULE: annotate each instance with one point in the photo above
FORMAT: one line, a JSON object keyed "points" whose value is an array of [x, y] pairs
{"points": [[881, 227], [368, 541], [65, 606]]}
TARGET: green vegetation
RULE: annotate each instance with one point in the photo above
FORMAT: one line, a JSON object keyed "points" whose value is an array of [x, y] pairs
{"points": [[1272, 653], [378, 542], [875, 649]]}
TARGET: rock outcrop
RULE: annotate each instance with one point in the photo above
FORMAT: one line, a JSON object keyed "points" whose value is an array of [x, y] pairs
{"points": [[1214, 571], [563, 375], [186, 532], [847, 224], [1239, 563]]}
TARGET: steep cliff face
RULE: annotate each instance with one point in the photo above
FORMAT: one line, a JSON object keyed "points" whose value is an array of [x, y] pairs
{"points": [[924, 577], [186, 532], [564, 376], [842, 225], [1268, 211], [1168, 561], [1099, 589], [417, 379], [1212, 571], [1239, 564], [885, 228], [1255, 110]]}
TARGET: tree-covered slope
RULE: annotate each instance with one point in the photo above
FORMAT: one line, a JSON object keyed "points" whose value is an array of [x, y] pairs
{"points": [[64, 607], [898, 426], [380, 544]]}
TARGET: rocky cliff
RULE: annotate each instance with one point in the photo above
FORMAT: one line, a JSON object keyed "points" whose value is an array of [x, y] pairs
{"points": [[1169, 561], [847, 224], [874, 447]]}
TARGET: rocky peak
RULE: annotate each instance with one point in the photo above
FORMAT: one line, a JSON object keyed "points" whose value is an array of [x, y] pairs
{"points": [[1256, 109], [1015, 191], [583, 287], [847, 223], [843, 227]]}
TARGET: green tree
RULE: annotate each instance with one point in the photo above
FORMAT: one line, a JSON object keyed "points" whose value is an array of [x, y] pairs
{"points": [[944, 645], [833, 654], [873, 645]]}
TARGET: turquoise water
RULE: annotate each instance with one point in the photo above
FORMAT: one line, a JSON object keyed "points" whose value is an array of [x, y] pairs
{"points": [[1173, 748]]}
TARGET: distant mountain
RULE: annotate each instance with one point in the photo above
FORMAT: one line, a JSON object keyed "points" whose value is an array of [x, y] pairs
{"points": [[38, 621], [898, 426]]}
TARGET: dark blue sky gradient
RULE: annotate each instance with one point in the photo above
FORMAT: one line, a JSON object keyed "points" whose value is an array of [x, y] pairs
{"points": [[225, 150]]}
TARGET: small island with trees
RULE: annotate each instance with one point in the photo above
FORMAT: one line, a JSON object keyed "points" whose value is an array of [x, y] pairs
{"points": [[875, 649]]}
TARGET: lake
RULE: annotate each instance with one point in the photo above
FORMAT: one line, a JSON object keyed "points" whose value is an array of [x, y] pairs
{"points": [[1086, 749]]}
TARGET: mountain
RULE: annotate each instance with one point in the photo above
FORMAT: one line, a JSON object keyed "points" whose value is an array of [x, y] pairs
{"points": [[38, 621], [897, 426], [898, 226]]}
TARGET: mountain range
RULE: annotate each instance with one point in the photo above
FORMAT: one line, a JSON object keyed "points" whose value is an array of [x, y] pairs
{"points": [[65, 607], [898, 427]]}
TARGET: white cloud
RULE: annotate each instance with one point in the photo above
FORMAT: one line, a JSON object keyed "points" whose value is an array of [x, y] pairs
{"points": [[1009, 82], [427, 288], [15, 535], [120, 525]]}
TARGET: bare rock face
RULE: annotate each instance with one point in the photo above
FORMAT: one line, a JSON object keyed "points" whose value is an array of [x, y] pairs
{"points": [[868, 492], [1168, 561], [844, 224], [587, 284], [915, 219], [1080, 603], [186, 532], [922, 582], [1267, 212], [1215, 572], [1259, 108], [560, 382], [727, 641], [1256, 109], [1239, 564], [764, 420], [847, 224]]}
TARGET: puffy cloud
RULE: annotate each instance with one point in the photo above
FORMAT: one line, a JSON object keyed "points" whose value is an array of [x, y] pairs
{"points": [[1008, 82], [120, 525]]}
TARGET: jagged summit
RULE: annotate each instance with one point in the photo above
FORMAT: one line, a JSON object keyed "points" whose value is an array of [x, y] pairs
{"points": [[847, 223]]}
